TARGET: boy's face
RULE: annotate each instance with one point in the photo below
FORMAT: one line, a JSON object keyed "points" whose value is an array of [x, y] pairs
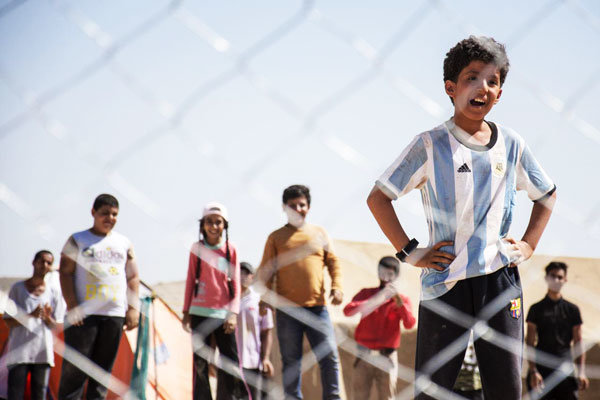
{"points": [[555, 279], [105, 219], [296, 209], [246, 278], [42, 264], [476, 90], [386, 275]]}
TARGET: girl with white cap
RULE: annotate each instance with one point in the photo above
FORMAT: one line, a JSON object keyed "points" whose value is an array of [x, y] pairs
{"points": [[211, 305]]}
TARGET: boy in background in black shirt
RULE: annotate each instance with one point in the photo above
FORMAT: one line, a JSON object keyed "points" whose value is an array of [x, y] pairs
{"points": [[555, 322]]}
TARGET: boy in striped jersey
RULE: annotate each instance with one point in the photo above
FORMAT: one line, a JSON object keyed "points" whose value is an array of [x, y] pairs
{"points": [[468, 171]]}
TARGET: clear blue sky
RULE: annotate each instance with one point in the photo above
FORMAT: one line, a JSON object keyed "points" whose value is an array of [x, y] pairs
{"points": [[169, 105]]}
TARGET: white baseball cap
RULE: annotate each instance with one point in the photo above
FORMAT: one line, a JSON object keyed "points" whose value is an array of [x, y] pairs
{"points": [[214, 208]]}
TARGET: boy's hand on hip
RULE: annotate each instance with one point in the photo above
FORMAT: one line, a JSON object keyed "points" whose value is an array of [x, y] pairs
{"points": [[518, 251], [428, 257], [336, 296], [132, 318]]}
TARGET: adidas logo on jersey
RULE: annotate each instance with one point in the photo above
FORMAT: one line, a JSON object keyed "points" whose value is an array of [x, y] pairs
{"points": [[464, 168]]}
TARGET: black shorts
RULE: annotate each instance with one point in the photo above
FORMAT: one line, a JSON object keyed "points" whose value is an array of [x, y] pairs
{"points": [[495, 298]]}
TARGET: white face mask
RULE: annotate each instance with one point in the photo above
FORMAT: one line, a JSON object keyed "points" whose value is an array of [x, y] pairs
{"points": [[386, 275], [293, 217], [554, 284]]}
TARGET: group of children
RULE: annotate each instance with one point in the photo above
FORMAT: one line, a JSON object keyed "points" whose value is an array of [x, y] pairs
{"points": [[468, 170]]}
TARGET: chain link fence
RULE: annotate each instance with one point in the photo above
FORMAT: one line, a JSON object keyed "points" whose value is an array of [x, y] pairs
{"points": [[174, 103]]}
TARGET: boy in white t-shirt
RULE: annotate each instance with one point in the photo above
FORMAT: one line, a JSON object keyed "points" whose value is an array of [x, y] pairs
{"points": [[254, 335], [30, 342], [99, 280]]}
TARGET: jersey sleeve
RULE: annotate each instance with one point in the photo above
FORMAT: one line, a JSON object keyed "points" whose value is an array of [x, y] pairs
{"points": [[531, 177], [407, 172]]}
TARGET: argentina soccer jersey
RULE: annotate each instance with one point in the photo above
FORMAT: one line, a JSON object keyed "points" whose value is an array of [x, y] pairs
{"points": [[468, 194]]}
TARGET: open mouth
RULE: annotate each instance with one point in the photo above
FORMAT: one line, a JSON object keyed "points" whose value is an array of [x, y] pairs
{"points": [[477, 102]]}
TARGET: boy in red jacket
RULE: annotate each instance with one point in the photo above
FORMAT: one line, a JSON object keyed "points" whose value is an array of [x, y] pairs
{"points": [[378, 332]]}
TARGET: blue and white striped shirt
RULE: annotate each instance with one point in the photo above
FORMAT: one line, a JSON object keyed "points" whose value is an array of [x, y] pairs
{"points": [[468, 192]]}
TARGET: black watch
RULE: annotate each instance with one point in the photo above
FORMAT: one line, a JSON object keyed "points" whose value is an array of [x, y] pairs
{"points": [[402, 254]]}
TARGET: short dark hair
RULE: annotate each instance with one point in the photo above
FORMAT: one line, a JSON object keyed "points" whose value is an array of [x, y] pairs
{"points": [[556, 265], [475, 48], [295, 191], [390, 263], [40, 253], [105, 200]]}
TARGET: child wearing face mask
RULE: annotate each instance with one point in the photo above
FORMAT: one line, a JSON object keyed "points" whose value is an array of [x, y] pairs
{"points": [[378, 333], [254, 334], [211, 305]]}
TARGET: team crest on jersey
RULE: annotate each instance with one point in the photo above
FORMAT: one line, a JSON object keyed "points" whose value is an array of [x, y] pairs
{"points": [[515, 308], [499, 169]]}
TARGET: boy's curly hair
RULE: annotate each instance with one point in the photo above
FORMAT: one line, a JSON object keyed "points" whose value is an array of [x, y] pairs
{"points": [[475, 48]]}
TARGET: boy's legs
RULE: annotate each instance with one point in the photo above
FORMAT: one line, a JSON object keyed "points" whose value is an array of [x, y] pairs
{"points": [[229, 386], [437, 331], [104, 352], [17, 379], [81, 339], [40, 375], [322, 341], [387, 376], [290, 333], [362, 377], [500, 367]]}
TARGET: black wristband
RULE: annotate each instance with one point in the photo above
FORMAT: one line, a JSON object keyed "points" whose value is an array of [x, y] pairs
{"points": [[402, 254]]}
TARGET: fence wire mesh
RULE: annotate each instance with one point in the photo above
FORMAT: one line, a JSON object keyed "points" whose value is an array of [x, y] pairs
{"points": [[174, 103]]}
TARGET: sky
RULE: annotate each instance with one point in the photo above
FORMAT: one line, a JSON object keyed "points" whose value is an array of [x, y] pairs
{"points": [[171, 104]]}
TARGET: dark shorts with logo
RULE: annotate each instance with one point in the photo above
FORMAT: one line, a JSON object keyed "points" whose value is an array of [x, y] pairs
{"points": [[442, 337]]}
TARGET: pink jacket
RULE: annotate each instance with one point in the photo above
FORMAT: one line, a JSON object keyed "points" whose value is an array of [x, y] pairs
{"points": [[212, 297]]}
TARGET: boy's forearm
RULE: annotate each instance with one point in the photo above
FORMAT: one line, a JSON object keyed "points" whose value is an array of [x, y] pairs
{"points": [[540, 215], [530, 341], [580, 361], [578, 344], [133, 283], [68, 290], [266, 341], [382, 209]]}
